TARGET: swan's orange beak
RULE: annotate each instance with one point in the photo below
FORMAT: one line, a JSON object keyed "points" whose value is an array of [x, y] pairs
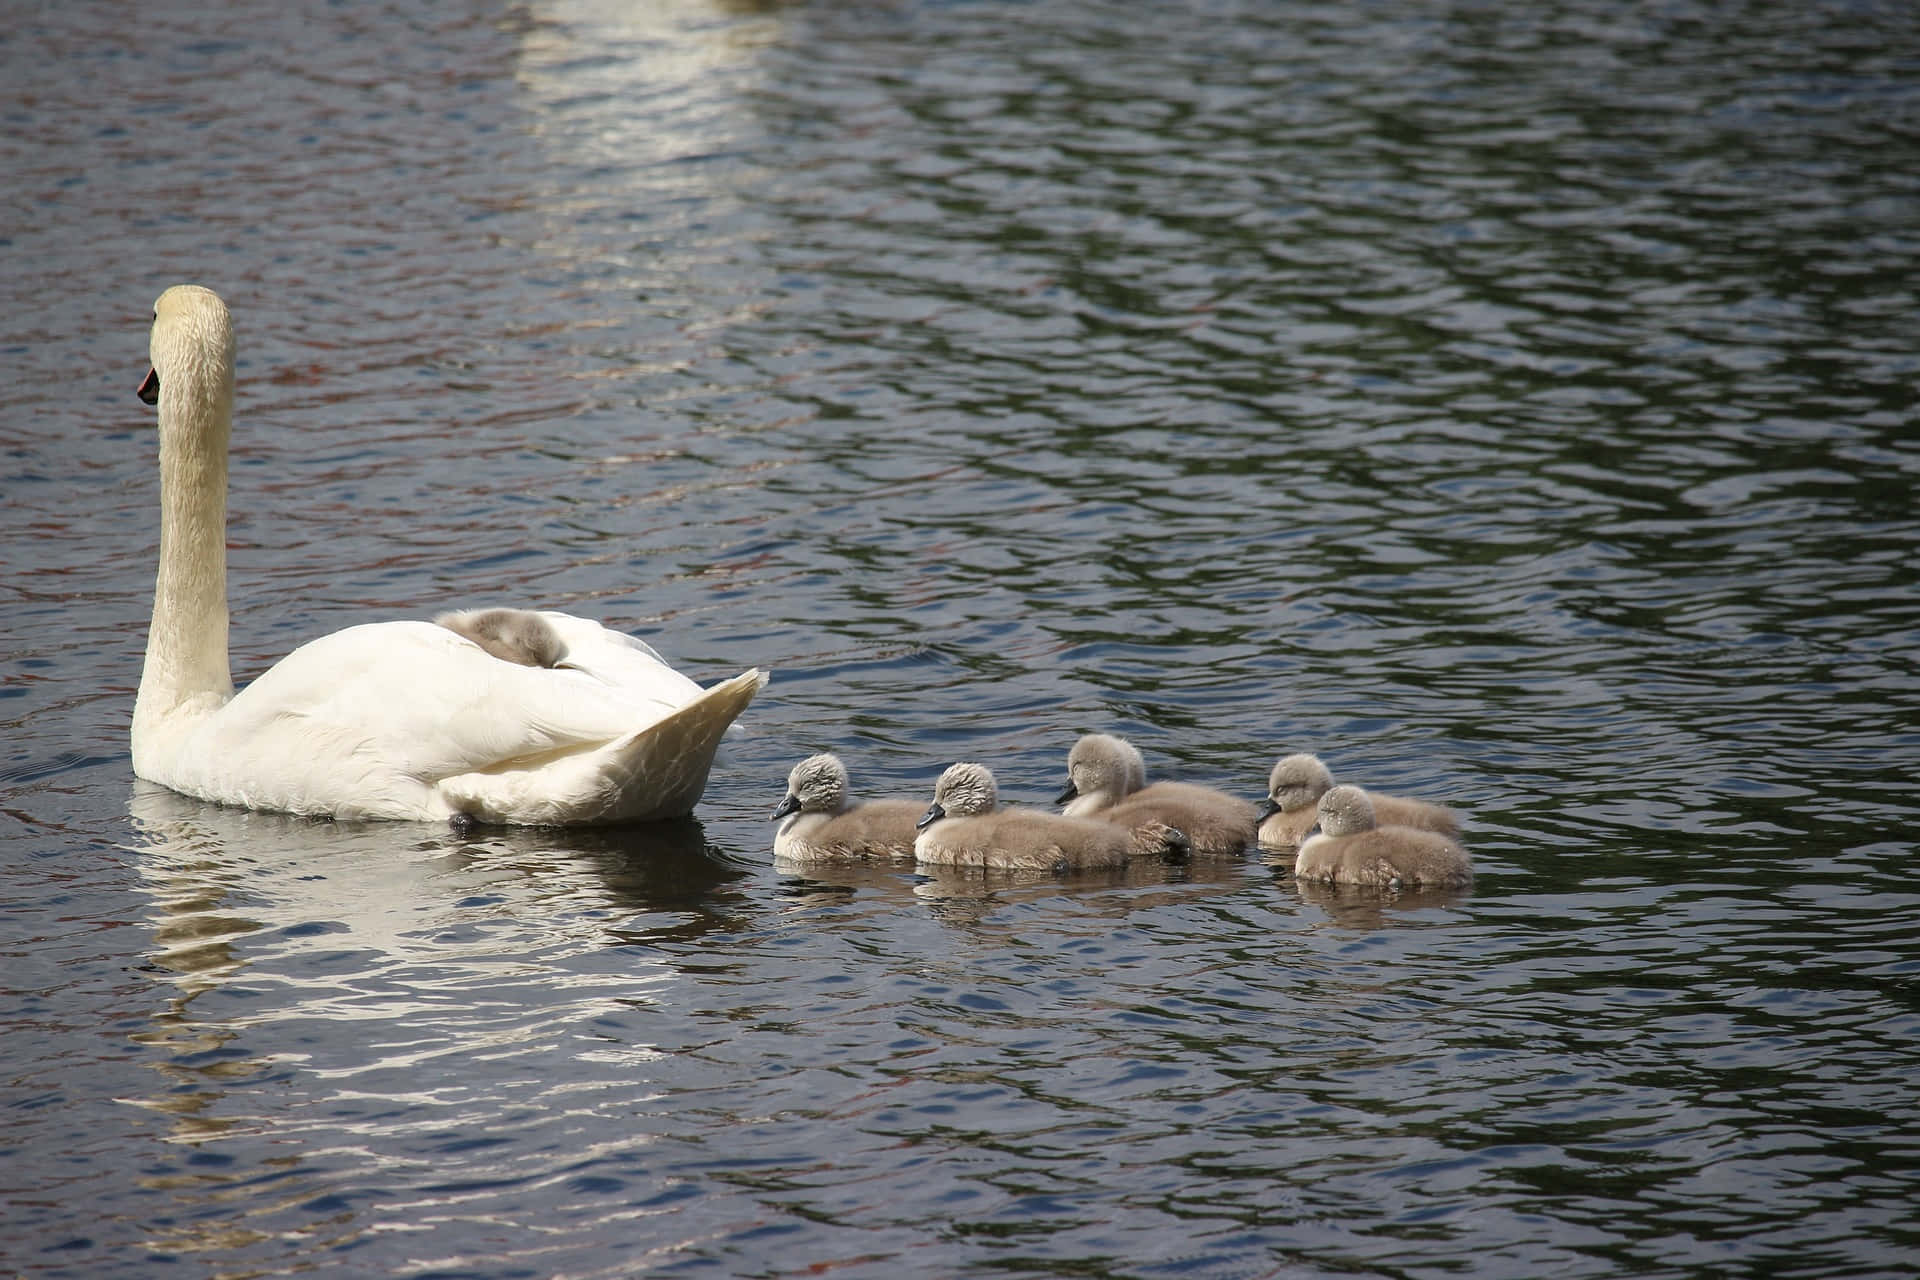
{"points": [[150, 387]]}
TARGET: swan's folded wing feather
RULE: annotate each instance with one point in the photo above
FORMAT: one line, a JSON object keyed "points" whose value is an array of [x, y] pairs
{"points": [[429, 703], [617, 658]]}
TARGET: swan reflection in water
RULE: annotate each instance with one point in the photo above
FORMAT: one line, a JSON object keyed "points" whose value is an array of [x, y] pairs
{"points": [[265, 917], [375, 969]]}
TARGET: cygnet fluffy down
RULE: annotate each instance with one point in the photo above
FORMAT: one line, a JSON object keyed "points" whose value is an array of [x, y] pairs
{"points": [[819, 820], [1293, 797], [1351, 849], [512, 635], [1106, 779], [966, 827]]}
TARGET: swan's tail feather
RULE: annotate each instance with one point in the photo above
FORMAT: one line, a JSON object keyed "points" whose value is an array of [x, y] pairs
{"points": [[653, 773], [661, 771]]}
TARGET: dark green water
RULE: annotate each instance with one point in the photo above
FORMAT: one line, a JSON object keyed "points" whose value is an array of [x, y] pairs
{"points": [[1513, 404]]}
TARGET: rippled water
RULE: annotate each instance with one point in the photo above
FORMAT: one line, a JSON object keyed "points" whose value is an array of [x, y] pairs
{"points": [[1514, 404]]}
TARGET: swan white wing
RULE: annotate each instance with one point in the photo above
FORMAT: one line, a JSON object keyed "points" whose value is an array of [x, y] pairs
{"points": [[366, 721], [616, 658]]}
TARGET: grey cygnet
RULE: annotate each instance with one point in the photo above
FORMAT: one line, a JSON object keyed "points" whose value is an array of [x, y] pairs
{"points": [[819, 819], [966, 827]]}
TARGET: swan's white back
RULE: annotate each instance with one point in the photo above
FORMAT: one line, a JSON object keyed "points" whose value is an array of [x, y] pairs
{"points": [[392, 719]]}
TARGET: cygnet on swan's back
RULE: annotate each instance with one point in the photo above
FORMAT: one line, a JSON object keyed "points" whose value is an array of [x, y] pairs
{"points": [[1293, 796], [512, 635], [819, 820], [1106, 780], [966, 827], [1351, 849]]}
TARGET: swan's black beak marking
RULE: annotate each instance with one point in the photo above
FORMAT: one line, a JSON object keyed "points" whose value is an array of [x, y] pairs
{"points": [[786, 807], [1071, 793], [149, 391], [934, 814]]}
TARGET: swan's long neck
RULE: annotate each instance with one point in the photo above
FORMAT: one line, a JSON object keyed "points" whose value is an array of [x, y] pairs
{"points": [[186, 663]]}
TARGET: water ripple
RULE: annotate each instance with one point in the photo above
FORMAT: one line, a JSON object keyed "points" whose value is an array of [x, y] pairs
{"points": [[1514, 405]]}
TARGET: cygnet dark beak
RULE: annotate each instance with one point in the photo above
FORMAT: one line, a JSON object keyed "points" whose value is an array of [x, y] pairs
{"points": [[1272, 807], [1071, 793], [933, 815], [787, 806], [150, 387]]}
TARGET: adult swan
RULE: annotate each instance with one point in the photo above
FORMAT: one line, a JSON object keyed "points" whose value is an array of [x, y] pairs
{"points": [[501, 716]]}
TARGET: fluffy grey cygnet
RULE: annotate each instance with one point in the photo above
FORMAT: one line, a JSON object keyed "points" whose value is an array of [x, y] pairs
{"points": [[1293, 796], [1107, 780], [819, 820], [966, 827], [512, 635], [1351, 849]]}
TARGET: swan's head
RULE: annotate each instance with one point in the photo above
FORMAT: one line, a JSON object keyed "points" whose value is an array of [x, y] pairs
{"points": [[817, 784], [963, 791], [1101, 764], [191, 348], [1297, 781], [1345, 810]]}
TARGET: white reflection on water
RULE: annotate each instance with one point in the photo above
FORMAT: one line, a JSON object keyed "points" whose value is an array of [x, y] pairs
{"points": [[396, 943], [351, 998], [642, 113]]}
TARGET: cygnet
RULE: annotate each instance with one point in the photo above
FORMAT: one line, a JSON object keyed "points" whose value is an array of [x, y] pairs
{"points": [[966, 827], [819, 820], [512, 635], [1293, 795], [1106, 779], [1350, 849]]}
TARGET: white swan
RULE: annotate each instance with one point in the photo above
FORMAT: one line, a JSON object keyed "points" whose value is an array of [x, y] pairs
{"points": [[406, 720]]}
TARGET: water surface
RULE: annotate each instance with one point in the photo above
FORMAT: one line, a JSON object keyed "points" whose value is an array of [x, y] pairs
{"points": [[1514, 406]]}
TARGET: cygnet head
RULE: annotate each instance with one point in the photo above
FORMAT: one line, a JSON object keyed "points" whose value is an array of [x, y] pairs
{"points": [[1346, 811], [817, 784], [519, 636], [1297, 782], [963, 791], [191, 347], [1101, 764]]}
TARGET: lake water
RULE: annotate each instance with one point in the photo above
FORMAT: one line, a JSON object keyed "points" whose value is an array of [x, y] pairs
{"points": [[1514, 404]]}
